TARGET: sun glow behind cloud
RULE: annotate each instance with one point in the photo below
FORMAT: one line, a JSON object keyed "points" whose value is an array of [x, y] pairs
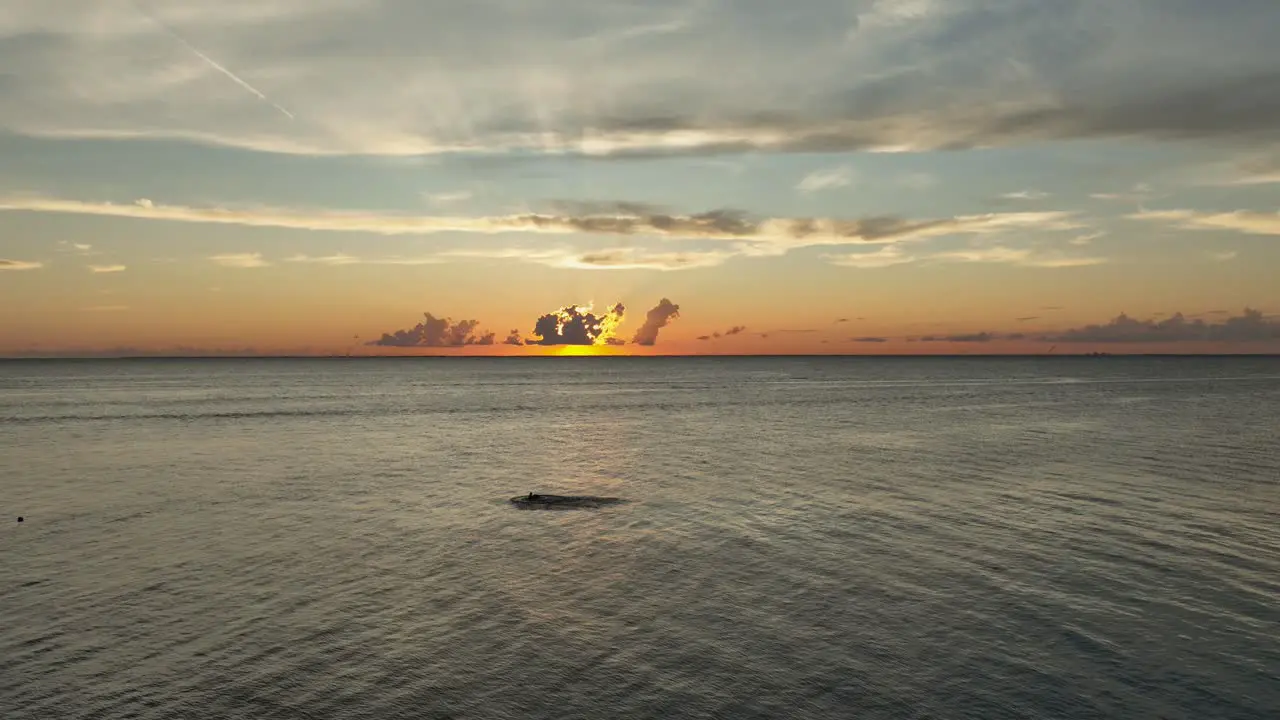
{"points": [[958, 162]]}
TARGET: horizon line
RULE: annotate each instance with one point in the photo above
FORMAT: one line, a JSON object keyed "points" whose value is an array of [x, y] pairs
{"points": [[1092, 355]]}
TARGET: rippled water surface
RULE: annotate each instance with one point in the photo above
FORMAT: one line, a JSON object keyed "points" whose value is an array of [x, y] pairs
{"points": [[892, 538]]}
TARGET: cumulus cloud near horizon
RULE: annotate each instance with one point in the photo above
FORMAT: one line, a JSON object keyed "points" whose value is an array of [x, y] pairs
{"points": [[569, 325], [436, 332], [577, 325], [657, 318]]}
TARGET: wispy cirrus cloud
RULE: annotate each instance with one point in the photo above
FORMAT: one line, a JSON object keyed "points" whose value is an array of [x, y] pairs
{"points": [[340, 259], [1023, 257], [613, 76], [448, 198], [1025, 195], [750, 235], [1242, 221], [99, 269], [240, 260], [633, 259], [828, 179], [1026, 257], [7, 264]]}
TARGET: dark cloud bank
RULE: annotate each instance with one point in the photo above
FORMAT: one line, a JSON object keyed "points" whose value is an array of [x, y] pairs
{"points": [[1250, 326]]}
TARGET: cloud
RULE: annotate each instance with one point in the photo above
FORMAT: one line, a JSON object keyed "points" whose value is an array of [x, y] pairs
{"points": [[735, 330], [211, 62], [513, 338], [787, 331], [1025, 195], [436, 332], [1027, 318], [656, 319], [448, 198], [576, 325], [750, 236], [886, 256], [1242, 221], [829, 179], [339, 259], [1224, 255], [1141, 192], [1024, 257], [1250, 326], [870, 339], [107, 308], [107, 268], [613, 76], [981, 337], [633, 259], [1086, 239], [1254, 167], [240, 260], [19, 265]]}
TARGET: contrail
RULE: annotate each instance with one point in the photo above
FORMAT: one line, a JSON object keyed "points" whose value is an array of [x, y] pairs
{"points": [[212, 63]]}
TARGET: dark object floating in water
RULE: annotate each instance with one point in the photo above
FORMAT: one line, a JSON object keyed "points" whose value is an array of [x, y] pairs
{"points": [[536, 501], [19, 518]]}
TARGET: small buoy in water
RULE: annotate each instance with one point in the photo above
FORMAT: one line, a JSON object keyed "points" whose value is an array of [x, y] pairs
{"points": [[19, 518]]}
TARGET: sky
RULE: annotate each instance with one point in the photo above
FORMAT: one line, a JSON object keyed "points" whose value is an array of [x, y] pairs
{"points": [[627, 177]]}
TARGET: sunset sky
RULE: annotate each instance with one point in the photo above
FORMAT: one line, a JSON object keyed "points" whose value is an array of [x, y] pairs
{"points": [[852, 176]]}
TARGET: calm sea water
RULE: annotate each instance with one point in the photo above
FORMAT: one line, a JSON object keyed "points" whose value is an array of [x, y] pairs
{"points": [[870, 538]]}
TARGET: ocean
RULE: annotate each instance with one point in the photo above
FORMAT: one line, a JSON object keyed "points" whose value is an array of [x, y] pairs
{"points": [[803, 537]]}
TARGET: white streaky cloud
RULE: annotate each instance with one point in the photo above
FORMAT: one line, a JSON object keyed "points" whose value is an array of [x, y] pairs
{"points": [[82, 247], [891, 255], [448, 198], [340, 259], [240, 260], [613, 76], [825, 180], [886, 256], [1266, 178], [1242, 221], [6, 264], [769, 236], [1224, 255], [1025, 257], [632, 259], [1086, 239], [1259, 166], [563, 257], [1025, 195], [1140, 193], [212, 63], [893, 13], [98, 269]]}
